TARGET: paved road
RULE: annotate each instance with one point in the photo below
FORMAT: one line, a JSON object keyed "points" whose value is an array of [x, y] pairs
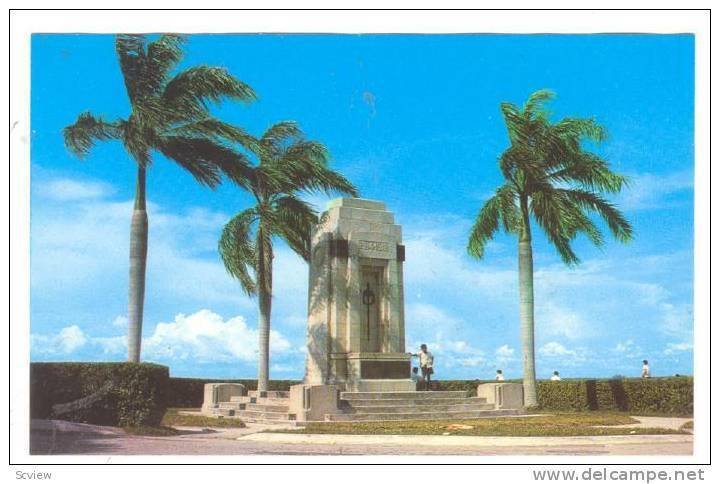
{"points": [[53, 437]]}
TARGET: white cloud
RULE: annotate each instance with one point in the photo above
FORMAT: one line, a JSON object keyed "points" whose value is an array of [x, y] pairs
{"points": [[555, 320], [651, 191], [68, 340], [628, 348], [200, 337], [504, 354], [120, 322], [555, 350], [73, 190], [205, 337], [674, 348]]}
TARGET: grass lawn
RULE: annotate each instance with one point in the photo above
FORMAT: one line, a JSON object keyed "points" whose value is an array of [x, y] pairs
{"points": [[559, 424], [173, 418]]}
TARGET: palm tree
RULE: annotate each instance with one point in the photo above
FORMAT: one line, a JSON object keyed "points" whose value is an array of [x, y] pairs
{"points": [[288, 165], [169, 115], [549, 177]]}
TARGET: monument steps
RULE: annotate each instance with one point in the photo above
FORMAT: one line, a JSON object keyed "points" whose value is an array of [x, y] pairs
{"points": [[399, 402], [419, 395], [462, 407], [447, 415]]}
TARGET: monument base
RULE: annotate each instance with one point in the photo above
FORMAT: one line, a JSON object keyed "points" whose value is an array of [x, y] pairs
{"points": [[502, 395], [382, 386]]}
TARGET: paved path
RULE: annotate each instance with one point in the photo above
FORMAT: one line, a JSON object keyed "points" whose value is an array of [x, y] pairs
{"points": [[54, 437]]}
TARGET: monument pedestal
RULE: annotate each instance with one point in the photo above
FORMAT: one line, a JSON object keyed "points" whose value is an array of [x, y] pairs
{"points": [[356, 320], [377, 372]]}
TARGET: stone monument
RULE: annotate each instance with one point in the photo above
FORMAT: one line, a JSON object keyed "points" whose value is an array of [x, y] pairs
{"points": [[356, 325]]}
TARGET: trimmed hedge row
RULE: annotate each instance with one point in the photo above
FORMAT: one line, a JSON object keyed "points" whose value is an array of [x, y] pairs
{"points": [[671, 395], [117, 394]]}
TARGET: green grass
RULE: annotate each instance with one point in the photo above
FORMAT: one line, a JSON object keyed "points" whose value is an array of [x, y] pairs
{"points": [[557, 424], [173, 418]]}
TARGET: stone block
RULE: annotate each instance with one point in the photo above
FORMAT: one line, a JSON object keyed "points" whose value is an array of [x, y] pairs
{"points": [[217, 393], [502, 395], [313, 402]]}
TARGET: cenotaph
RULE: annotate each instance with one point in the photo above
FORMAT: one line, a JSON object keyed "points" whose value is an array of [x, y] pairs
{"points": [[356, 321]]}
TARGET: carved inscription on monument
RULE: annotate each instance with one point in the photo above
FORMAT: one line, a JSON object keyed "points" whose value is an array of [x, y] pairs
{"points": [[374, 245]]}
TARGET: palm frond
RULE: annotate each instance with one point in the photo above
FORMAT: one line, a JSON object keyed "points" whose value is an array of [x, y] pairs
{"points": [[130, 50], [163, 55], [237, 249], [556, 222], [193, 89], [205, 159], [219, 131], [485, 226], [618, 224], [303, 166], [293, 220], [535, 105], [81, 136]]}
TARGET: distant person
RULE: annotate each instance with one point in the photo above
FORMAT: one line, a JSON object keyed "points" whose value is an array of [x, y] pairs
{"points": [[555, 376], [646, 369], [499, 376], [426, 364]]}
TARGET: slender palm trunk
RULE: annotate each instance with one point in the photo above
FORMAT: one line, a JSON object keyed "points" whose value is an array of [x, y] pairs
{"points": [[527, 307], [264, 284], [138, 262]]}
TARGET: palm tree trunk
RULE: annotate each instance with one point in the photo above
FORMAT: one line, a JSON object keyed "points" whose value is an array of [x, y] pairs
{"points": [[138, 262], [527, 308], [264, 280]]}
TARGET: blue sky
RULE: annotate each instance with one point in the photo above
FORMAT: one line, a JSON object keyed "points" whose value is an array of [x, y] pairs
{"points": [[414, 121]]}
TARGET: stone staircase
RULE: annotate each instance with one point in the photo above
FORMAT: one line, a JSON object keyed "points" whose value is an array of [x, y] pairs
{"points": [[273, 407], [435, 405]]}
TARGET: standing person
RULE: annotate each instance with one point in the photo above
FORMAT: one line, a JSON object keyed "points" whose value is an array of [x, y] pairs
{"points": [[499, 376], [646, 369], [555, 376], [426, 364]]}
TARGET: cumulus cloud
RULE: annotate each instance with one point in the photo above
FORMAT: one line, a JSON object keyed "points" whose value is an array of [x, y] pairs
{"points": [[205, 336], [68, 340], [554, 350], [556, 320], [200, 337], [65, 189]]}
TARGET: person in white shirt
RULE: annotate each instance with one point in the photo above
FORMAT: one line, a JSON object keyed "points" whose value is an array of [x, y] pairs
{"points": [[499, 376], [555, 376], [646, 369], [426, 364]]}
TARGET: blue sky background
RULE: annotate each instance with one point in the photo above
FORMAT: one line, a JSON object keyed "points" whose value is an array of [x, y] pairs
{"points": [[414, 121]]}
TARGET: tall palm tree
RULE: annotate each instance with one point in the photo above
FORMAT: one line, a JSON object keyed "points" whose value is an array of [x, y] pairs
{"points": [[288, 165], [549, 177], [169, 114]]}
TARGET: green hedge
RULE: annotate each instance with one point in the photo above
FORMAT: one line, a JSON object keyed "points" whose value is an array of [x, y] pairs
{"points": [[118, 394], [188, 392], [643, 396]]}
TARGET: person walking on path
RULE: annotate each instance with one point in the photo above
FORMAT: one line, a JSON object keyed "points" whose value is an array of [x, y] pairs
{"points": [[426, 364]]}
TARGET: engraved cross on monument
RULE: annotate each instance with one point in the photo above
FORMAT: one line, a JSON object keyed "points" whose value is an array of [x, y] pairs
{"points": [[356, 321]]}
